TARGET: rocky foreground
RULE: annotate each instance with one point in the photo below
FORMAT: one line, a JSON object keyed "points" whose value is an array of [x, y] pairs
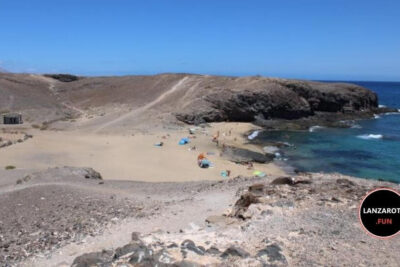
{"points": [[305, 220]]}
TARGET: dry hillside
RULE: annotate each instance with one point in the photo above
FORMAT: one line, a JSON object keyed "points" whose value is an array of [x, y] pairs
{"points": [[104, 103]]}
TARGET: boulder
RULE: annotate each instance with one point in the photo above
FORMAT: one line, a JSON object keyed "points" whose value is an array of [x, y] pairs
{"points": [[283, 180], [142, 256], [92, 174], [272, 253], [241, 155], [233, 251], [189, 245], [94, 259], [130, 248], [213, 250], [243, 203]]}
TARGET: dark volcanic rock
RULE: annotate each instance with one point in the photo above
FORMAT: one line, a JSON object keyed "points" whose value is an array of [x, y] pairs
{"points": [[283, 180], [240, 155], [243, 203], [92, 174], [235, 252], [130, 248], [213, 250], [251, 99], [246, 105], [63, 77], [273, 252], [334, 97], [94, 259], [190, 245], [142, 256]]}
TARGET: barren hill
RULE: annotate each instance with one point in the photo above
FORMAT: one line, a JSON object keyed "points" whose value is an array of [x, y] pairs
{"points": [[105, 103]]}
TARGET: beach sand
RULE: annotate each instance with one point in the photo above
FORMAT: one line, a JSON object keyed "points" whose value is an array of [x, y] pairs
{"points": [[134, 156]]}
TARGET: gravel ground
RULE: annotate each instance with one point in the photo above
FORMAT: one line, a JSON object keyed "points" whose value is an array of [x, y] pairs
{"points": [[43, 211], [49, 218]]}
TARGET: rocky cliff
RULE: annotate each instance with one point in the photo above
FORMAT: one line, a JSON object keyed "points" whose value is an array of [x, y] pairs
{"points": [[265, 99]]}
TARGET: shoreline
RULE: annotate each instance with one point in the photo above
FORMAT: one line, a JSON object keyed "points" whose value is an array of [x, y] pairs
{"points": [[238, 137]]}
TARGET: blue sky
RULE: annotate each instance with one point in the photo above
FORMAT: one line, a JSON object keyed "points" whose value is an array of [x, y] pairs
{"points": [[311, 39]]}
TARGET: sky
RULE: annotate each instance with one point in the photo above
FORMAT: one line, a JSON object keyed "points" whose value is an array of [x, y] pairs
{"points": [[308, 39]]}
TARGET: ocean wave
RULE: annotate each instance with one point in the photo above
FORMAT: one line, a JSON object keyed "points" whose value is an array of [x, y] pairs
{"points": [[253, 135], [315, 127], [370, 136], [356, 126], [392, 113], [376, 116], [381, 106]]}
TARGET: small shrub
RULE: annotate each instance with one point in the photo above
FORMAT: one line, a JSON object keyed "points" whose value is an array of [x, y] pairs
{"points": [[10, 167]]}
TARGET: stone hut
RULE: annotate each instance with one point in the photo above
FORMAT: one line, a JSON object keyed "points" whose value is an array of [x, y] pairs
{"points": [[12, 118]]}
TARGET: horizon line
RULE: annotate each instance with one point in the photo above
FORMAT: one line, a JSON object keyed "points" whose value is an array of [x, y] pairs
{"points": [[193, 73]]}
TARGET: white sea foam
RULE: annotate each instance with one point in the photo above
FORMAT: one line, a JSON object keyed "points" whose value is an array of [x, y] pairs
{"points": [[253, 135], [370, 136], [356, 126], [392, 113], [376, 116], [315, 127], [382, 106]]}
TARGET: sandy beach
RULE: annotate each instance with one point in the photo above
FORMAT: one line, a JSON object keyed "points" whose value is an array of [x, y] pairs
{"points": [[134, 156]]}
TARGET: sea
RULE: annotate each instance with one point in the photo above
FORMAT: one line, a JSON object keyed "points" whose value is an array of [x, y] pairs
{"points": [[369, 149]]}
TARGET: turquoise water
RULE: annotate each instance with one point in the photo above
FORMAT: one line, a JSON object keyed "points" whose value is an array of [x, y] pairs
{"points": [[371, 149]]}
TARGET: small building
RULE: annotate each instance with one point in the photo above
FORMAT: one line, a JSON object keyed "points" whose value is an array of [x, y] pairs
{"points": [[12, 118]]}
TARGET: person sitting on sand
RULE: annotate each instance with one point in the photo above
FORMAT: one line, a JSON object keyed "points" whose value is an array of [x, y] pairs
{"points": [[200, 157], [202, 161]]}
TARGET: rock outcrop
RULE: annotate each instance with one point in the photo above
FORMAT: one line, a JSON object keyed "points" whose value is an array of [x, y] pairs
{"points": [[264, 99], [241, 155], [63, 77]]}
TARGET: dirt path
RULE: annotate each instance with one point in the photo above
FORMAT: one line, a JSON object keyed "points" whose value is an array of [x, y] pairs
{"points": [[140, 110], [52, 88], [178, 207]]}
